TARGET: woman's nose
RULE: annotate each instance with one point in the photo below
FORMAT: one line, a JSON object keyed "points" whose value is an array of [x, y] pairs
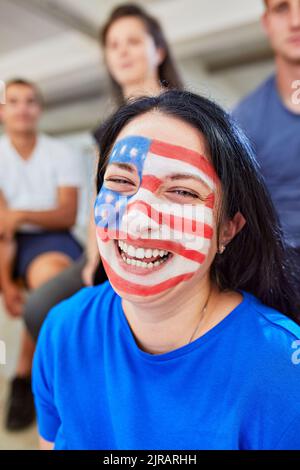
{"points": [[123, 50], [137, 221]]}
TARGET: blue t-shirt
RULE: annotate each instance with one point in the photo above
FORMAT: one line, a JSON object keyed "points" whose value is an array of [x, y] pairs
{"points": [[275, 134], [236, 387]]}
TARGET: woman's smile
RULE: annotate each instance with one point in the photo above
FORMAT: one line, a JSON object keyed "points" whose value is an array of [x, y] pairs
{"points": [[141, 260]]}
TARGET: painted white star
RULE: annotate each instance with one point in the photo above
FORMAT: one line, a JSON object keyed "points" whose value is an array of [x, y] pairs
{"points": [[109, 198], [133, 152], [118, 206], [123, 149], [97, 211], [104, 214]]}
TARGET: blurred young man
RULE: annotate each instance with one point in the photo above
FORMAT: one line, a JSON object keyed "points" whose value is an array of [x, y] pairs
{"points": [[271, 116], [39, 183]]}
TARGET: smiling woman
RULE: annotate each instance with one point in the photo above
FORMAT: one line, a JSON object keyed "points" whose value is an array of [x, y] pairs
{"points": [[164, 344], [256, 258], [155, 209]]}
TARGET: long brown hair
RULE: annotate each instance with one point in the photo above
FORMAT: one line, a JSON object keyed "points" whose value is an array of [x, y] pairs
{"points": [[168, 75]]}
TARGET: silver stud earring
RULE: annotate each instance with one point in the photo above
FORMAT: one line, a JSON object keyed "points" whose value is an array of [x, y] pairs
{"points": [[222, 249]]}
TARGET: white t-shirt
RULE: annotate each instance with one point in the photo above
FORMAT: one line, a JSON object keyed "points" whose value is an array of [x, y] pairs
{"points": [[32, 184]]}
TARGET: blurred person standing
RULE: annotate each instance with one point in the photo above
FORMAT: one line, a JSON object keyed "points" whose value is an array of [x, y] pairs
{"points": [[271, 116], [39, 183]]}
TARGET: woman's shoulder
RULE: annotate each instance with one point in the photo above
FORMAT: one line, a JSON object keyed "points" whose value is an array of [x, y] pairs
{"points": [[278, 335], [273, 319], [272, 360]]}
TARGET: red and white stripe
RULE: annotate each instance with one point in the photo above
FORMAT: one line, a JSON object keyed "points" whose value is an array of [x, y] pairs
{"points": [[186, 231]]}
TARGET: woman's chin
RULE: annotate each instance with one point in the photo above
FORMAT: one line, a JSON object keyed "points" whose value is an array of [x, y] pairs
{"points": [[164, 296]]}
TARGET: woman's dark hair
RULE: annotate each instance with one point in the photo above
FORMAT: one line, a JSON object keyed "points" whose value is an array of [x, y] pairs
{"points": [[257, 259], [167, 72]]}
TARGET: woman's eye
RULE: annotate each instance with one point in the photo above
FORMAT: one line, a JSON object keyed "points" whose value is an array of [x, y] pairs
{"points": [[134, 41], [113, 47], [118, 181], [184, 193], [282, 7]]}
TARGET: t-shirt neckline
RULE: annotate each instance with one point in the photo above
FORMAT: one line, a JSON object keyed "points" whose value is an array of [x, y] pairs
{"points": [[33, 155], [187, 348]]}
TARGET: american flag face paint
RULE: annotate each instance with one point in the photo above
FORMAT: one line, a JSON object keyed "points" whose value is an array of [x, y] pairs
{"points": [[148, 243]]}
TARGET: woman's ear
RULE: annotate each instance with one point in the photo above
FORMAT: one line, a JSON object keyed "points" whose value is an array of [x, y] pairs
{"points": [[231, 228]]}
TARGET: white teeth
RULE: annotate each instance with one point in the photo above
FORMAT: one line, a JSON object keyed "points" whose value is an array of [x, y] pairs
{"points": [[143, 264], [131, 251], [141, 253], [122, 245]]}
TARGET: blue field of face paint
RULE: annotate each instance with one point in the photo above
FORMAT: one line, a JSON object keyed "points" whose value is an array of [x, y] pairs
{"points": [[110, 205]]}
